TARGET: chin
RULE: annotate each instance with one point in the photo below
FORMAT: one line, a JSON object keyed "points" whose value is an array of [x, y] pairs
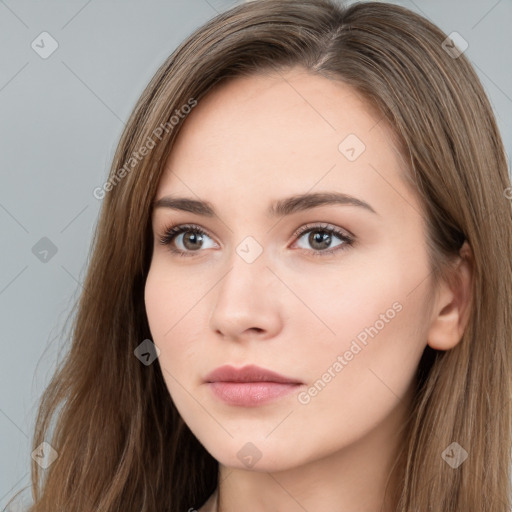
{"points": [[260, 455]]}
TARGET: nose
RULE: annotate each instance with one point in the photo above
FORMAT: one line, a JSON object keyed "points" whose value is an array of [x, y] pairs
{"points": [[247, 302]]}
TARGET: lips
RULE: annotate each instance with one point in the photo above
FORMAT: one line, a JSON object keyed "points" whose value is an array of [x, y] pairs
{"points": [[249, 373], [250, 386]]}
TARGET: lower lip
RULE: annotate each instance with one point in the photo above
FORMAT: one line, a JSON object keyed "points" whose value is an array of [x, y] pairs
{"points": [[250, 394]]}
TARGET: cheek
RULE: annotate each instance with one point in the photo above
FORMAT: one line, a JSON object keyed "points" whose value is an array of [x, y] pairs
{"points": [[373, 315], [335, 305], [173, 309], [357, 378], [170, 297], [163, 312], [155, 292]]}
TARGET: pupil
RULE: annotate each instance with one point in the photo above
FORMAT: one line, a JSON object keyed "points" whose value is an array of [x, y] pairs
{"points": [[317, 237], [194, 236]]}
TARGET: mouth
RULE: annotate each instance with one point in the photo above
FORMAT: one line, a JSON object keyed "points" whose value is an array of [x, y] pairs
{"points": [[249, 386]]}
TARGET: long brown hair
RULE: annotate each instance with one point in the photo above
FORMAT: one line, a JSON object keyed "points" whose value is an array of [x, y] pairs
{"points": [[121, 443]]}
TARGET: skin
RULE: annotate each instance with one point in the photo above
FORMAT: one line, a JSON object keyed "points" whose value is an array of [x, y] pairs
{"points": [[251, 141]]}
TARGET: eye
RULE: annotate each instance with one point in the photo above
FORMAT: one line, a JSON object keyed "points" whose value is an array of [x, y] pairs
{"points": [[191, 241], [321, 236]]}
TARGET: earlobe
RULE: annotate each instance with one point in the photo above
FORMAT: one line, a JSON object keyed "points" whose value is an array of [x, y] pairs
{"points": [[451, 312]]}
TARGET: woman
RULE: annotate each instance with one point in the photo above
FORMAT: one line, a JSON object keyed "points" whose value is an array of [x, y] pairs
{"points": [[298, 297]]}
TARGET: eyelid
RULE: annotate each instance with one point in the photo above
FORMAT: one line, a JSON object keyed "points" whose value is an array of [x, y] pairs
{"points": [[171, 232], [323, 225], [299, 231]]}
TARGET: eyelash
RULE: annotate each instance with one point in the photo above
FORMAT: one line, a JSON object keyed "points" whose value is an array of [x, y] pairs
{"points": [[172, 231]]}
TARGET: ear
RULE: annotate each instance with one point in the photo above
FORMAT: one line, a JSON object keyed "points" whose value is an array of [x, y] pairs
{"points": [[451, 310]]}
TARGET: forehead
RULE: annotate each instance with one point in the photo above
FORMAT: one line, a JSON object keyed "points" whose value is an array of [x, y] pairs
{"points": [[295, 105], [254, 135]]}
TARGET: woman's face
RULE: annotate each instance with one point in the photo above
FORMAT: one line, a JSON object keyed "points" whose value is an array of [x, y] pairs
{"points": [[342, 314]]}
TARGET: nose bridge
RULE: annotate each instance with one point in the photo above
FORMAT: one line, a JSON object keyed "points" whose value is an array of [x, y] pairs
{"points": [[243, 300], [248, 270]]}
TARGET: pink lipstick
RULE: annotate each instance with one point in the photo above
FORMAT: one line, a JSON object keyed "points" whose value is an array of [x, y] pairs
{"points": [[249, 386]]}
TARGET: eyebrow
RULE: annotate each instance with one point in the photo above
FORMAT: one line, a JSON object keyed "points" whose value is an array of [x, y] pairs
{"points": [[279, 208]]}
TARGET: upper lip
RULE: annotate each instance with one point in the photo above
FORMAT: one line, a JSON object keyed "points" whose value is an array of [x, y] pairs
{"points": [[250, 373]]}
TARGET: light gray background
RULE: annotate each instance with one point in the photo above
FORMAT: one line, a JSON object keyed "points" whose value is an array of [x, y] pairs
{"points": [[60, 120]]}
